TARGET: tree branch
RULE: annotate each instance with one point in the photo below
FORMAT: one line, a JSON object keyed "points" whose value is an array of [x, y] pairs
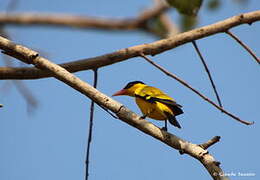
{"points": [[21, 87], [82, 22], [31, 57], [210, 142], [154, 48], [194, 90]]}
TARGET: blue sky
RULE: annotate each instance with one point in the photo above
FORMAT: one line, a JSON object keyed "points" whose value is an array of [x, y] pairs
{"points": [[50, 143]]}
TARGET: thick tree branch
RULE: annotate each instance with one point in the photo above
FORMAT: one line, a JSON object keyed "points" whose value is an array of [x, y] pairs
{"points": [[154, 48], [31, 57]]}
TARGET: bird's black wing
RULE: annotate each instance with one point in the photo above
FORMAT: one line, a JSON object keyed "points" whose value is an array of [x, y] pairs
{"points": [[176, 108]]}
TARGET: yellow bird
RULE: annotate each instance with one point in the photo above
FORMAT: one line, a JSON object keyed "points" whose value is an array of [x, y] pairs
{"points": [[153, 102]]}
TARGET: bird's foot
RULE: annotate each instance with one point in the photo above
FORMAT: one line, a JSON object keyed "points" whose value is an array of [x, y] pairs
{"points": [[144, 116], [164, 129]]}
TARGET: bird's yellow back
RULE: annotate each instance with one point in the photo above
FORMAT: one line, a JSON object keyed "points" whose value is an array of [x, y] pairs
{"points": [[151, 92]]}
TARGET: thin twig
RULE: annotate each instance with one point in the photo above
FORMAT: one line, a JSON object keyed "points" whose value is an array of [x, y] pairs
{"points": [[12, 5], [194, 90], [210, 142], [158, 9], [110, 113], [91, 118], [208, 72], [244, 46], [27, 94]]}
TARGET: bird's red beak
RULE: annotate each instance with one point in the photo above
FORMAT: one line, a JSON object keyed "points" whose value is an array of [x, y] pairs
{"points": [[120, 93]]}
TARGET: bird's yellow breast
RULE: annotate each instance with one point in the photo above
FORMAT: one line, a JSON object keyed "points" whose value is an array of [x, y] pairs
{"points": [[153, 110]]}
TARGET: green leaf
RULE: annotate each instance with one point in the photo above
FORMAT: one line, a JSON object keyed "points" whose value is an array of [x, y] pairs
{"points": [[157, 27], [188, 22], [213, 4], [187, 7]]}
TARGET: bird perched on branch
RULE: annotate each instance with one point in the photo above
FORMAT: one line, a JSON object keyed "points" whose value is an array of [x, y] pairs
{"points": [[153, 102]]}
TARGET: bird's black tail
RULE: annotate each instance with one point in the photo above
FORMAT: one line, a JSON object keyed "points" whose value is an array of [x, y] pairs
{"points": [[173, 120]]}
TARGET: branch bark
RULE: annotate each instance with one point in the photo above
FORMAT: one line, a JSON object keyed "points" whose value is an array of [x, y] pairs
{"points": [[31, 57], [154, 48], [210, 142]]}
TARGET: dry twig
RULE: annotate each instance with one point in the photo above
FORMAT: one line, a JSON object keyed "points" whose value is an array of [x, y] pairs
{"points": [[244, 46], [208, 72], [210, 142], [91, 119]]}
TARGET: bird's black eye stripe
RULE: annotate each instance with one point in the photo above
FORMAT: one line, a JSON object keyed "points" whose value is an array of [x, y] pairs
{"points": [[132, 83], [128, 86]]}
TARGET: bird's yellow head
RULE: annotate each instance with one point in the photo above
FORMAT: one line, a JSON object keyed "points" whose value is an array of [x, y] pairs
{"points": [[130, 88]]}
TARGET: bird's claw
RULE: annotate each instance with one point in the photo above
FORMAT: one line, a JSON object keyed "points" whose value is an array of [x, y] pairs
{"points": [[164, 129], [143, 117]]}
